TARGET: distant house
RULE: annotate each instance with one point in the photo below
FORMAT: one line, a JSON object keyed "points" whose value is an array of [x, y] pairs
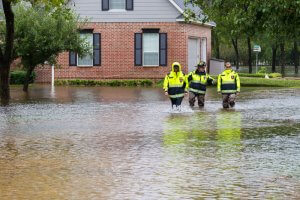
{"points": [[133, 39]]}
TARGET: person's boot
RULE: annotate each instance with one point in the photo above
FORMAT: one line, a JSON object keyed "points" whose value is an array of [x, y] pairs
{"points": [[232, 104], [201, 105], [225, 105], [192, 103]]}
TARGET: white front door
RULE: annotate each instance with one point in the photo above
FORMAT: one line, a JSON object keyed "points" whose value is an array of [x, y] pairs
{"points": [[203, 49], [193, 53]]}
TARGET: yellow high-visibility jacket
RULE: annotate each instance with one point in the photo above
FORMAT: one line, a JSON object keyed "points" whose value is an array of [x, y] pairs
{"points": [[175, 82], [229, 82], [197, 81]]}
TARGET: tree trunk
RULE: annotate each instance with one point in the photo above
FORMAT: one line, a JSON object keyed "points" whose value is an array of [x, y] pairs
{"points": [[249, 54], [282, 58], [6, 56], [236, 49], [4, 84], [274, 54], [296, 57], [27, 79]]}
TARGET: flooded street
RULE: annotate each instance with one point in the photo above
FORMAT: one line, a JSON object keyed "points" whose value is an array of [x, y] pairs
{"points": [[125, 143]]}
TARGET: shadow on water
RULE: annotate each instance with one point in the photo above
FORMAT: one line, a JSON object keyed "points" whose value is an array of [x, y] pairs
{"points": [[126, 143]]}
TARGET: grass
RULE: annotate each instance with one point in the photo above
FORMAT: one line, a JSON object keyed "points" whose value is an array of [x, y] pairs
{"points": [[261, 82], [260, 75]]}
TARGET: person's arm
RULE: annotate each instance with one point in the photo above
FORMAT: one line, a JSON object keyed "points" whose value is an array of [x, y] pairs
{"points": [[210, 80], [188, 80], [219, 83], [166, 83], [238, 83]]}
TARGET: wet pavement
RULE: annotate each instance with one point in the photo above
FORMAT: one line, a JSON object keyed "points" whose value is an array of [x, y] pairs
{"points": [[126, 143]]}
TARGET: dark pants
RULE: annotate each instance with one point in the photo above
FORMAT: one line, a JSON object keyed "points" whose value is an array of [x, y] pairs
{"points": [[228, 100], [176, 101], [200, 98]]}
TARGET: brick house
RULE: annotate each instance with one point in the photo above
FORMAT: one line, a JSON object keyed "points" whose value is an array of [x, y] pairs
{"points": [[133, 39]]}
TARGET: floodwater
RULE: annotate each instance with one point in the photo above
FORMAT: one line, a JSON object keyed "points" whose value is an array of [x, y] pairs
{"points": [[125, 143]]}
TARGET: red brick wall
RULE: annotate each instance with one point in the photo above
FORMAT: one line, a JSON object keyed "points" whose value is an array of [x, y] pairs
{"points": [[117, 40]]}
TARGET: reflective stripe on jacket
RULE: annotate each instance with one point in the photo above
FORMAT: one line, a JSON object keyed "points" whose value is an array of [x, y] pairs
{"points": [[175, 82], [196, 82], [229, 82]]}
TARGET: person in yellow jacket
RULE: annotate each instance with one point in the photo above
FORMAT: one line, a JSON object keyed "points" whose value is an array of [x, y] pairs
{"points": [[175, 85], [229, 85], [196, 84]]}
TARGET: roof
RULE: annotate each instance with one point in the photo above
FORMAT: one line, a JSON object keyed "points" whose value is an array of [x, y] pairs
{"points": [[181, 7]]}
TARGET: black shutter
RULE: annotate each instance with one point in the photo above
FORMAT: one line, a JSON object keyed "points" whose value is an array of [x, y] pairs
{"points": [[96, 49], [72, 58], [163, 49], [129, 4], [105, 5], [138, 49]]}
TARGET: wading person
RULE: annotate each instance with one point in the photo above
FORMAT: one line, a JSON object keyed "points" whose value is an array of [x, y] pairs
{"points": [[229, 86], [175, 85], [196, 83]]}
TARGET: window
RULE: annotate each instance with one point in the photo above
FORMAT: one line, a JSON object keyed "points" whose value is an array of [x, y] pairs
{"points": [[93, 58], [150, 49], [87, 60], [117, 4]]}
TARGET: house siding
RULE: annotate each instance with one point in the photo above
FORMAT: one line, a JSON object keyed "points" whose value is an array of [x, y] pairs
{"points": [[118, 52], [143, 11]]}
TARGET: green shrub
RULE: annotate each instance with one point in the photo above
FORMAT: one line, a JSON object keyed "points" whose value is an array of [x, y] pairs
{"points": [[252, 75], [262, 70], [275, 75], [18, 77], [112, 83]]}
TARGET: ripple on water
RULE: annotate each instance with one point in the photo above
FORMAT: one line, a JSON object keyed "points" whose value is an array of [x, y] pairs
{"points": [[126, 143]]}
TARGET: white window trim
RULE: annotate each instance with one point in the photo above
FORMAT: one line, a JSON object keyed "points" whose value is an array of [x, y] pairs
{"points": [[117, 10], [150, 52]]}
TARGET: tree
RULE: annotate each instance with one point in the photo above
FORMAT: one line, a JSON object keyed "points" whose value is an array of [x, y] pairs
{"points": [[6, 51], [41, 34], [7, 43], [280, 20]]}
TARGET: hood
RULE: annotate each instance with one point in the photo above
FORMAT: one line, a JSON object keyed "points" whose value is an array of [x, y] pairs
{"points": [[176, 63]]}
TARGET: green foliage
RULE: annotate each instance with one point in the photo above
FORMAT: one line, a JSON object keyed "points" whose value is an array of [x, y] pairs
{"points": [[18, 77], [42, 33], [275, 75], [258, 75], [262, 70], [112, 83]]}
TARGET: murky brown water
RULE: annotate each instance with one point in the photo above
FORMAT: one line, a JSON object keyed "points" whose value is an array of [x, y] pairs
{"points": [[124, 143]]}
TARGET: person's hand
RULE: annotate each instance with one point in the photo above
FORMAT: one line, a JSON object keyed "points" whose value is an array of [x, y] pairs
{"points": [[238, 93], [166, 93], [186, 93], [219, 92]]}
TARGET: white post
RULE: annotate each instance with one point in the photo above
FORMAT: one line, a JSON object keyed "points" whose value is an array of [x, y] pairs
{"points": [[256, 60], [52, 76]]}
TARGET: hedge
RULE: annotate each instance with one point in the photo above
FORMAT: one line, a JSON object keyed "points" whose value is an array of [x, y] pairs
{"points": [[18, 77], [112, 83]]}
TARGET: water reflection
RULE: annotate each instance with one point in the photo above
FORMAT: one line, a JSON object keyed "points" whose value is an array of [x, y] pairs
{"points": [[124, 143]]}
